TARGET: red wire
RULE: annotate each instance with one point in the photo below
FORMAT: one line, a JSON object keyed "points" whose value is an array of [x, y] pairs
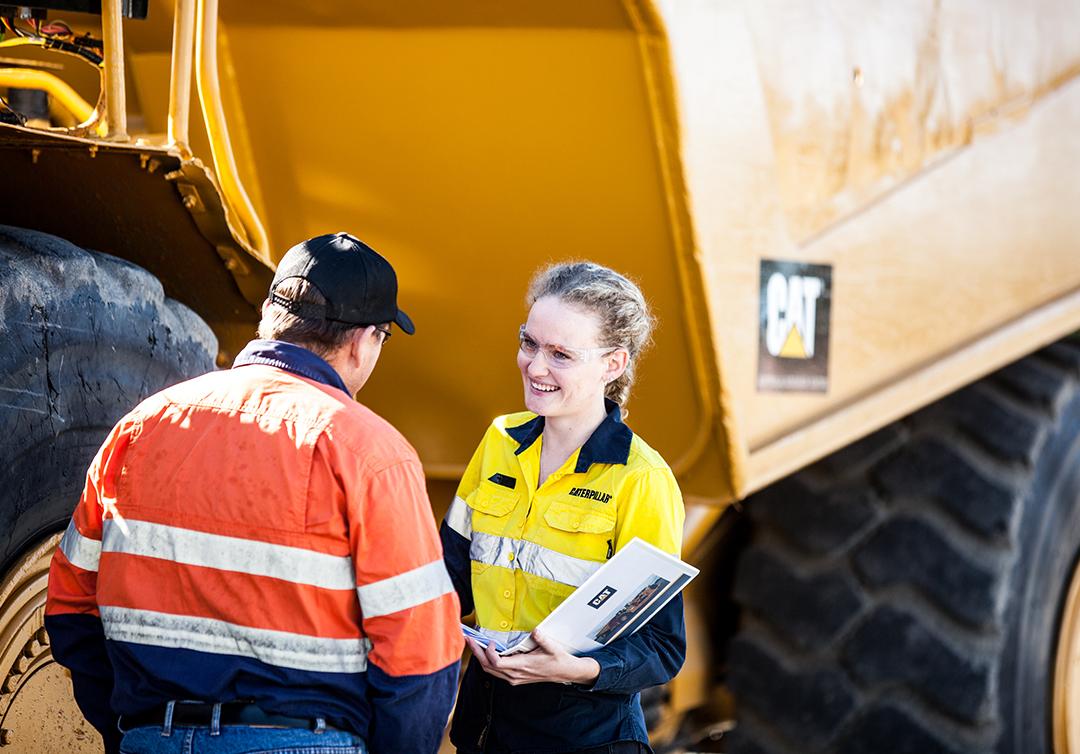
{"points": [[57, 28]]}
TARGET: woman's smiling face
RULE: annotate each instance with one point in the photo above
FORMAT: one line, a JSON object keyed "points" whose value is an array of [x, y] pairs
{"points": [[563, 390]]}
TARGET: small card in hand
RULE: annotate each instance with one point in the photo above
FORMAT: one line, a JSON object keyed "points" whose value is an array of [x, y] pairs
{"points": [[480, 639]]}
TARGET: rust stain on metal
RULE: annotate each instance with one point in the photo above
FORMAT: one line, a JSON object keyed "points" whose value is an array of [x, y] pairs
{"points": [[856, 109]]}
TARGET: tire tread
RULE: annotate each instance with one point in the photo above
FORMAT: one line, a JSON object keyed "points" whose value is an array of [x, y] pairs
{"points": [[872, 577]]}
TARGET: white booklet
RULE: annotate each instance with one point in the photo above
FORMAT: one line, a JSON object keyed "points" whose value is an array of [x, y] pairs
{"points": [[617, 600]]}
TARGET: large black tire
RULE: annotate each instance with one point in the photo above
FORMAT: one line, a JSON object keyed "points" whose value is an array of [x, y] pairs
{"points": [[85, 336], [904, 594]]}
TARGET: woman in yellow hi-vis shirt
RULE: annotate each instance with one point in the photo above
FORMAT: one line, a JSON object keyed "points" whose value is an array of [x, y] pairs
{"points": [[549, 496]]}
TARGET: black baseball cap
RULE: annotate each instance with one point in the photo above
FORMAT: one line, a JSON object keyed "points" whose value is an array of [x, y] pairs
{"points": [[359, 285]]}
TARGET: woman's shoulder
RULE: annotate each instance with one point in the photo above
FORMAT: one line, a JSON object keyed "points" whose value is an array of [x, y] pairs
{"points": [[645, 458], [502, 426], [502, 423]]}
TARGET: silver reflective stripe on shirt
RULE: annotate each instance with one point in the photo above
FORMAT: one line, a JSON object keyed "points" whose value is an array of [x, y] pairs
{"points": [[279, 648], [405, 590], [459, 518], [190, 547], [80, 551], [531, 558]]}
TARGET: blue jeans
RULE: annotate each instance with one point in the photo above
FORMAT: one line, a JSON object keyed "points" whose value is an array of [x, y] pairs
{"points": [[239, 739]]}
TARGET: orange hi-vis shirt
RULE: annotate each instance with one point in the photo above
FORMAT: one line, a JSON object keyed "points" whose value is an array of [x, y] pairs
{"points": [[257, 534]]}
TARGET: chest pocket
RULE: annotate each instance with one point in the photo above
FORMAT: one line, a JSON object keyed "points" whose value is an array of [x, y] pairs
{"points": [[491, 505], [569, 517], [581, 531]]}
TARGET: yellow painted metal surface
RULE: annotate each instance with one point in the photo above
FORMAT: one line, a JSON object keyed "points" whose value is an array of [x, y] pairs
{"points": [[183, 51], [923, 150], [112, 34], [29, 78], [206, 66], [32, 681], [471, 155]]}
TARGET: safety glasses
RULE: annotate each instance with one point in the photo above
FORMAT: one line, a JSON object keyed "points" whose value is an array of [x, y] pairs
{"points": [[558, 356]]}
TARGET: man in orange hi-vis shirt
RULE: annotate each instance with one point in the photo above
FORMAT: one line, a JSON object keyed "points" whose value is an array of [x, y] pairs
{"points": [[254, 564]]}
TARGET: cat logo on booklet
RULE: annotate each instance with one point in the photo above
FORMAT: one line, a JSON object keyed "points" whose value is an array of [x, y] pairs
{"points": [[602, 597], [793, 348]]}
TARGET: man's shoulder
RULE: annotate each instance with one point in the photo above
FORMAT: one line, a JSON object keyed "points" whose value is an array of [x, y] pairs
{"points": [[339, 415], [265, 389], [362, 421], [186, 391], [365, 432], [253, 389]]}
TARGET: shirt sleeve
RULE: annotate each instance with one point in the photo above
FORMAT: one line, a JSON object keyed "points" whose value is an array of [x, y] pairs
{"points": [[409, 610], [456, 532], [71, 611], [651, 508]]}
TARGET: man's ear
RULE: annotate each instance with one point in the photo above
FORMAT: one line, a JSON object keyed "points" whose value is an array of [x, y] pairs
{"points": [[351, 347], [357, 341]]}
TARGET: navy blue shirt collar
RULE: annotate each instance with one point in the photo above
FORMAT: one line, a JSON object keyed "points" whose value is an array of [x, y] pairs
{"points": [[609, 443], [291, 358]]}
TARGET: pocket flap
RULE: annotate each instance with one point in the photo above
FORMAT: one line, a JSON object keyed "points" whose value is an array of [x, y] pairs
{"points": [[492, 499], [570, 517]]}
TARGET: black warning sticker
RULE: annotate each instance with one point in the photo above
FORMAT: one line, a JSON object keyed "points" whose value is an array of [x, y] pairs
{"points": [[793, 343]]}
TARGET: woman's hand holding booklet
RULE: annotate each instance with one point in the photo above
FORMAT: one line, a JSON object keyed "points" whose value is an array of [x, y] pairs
{"points": [[617, 600]]}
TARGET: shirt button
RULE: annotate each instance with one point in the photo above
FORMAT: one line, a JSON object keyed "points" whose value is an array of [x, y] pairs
{"points": [[510, 556], [508, 594], [504, 624]]}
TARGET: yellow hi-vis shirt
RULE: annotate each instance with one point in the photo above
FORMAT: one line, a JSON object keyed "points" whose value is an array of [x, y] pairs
{"points": [[529, 547]]}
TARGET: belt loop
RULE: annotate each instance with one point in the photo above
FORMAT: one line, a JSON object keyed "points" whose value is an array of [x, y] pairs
{"points": [[320, 725], [215, 720], [166, 729]]}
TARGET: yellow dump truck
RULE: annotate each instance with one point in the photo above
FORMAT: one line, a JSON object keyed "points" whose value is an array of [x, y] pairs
{"points": [[859, 223]]}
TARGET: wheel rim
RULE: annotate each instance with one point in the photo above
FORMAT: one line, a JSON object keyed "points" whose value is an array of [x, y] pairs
{"points": [[37, 710], [1067, 674]]}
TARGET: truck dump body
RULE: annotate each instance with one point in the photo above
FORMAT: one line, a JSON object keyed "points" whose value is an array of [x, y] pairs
{"points": [[922, 156], [923, 152], [471, 149], [694, 145]]}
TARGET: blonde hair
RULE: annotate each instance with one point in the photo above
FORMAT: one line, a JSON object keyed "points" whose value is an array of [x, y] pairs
{"points": [[625, 319]]}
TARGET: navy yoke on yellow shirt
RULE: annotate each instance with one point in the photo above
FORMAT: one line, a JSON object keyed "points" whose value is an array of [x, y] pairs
{"points": [[515, 551]]}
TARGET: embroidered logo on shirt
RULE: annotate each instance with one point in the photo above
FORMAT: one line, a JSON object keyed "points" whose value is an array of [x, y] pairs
{"points": [[603, 497], [503, 480]]}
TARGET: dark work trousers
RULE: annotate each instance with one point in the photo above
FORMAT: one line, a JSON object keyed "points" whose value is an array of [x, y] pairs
{"points": [[620, 747]]}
